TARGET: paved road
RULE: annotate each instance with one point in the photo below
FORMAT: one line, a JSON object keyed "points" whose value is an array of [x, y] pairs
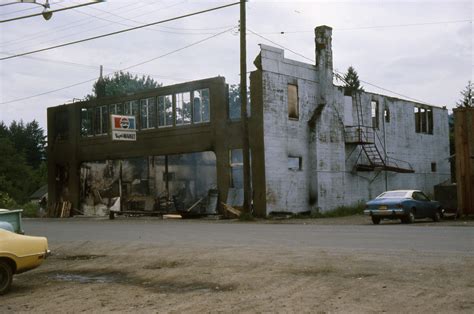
{"points": [[437, 239]]}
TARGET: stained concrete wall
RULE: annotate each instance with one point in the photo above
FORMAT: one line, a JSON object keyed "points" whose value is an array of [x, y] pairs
{"points": [[327, 178]]}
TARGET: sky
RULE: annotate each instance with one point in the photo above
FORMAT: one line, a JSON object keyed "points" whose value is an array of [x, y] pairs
{"points": [[421, 50]]}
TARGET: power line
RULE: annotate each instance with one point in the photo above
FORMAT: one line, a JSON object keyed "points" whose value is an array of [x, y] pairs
{"points": [[340, 73], [59, 28], [370, 27], [140, 23], [129, 67], [121, 31], [50, 11], [95, 67]]}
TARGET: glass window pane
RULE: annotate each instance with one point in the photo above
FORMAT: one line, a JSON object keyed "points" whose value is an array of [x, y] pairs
{"points": [[196, 107], [183, 108]]}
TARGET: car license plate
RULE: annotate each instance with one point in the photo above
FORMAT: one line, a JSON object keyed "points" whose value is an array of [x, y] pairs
{"points": [[383, 207]]}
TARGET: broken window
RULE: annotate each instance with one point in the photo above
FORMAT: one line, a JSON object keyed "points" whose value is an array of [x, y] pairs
{"points": [[433, 167], [429, 113], [293, 110], [101, 121], [423, 120], [295, 163], [417, 119], [201, 106], [148, 113], [116, 109], [130, 108], [61, 125], [237, 168], [165, 110], [386, 115], [183, 108], [423, 127], [86, 121], [375, 113]]}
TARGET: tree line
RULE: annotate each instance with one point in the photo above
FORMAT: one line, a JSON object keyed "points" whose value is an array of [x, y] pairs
{"points": [[23, 167]]}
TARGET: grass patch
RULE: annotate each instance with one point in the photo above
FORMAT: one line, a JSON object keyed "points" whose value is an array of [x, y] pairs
{"points": [[246, 217], [340, 211]]}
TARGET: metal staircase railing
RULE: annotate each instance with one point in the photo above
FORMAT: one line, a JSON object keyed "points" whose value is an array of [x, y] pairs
{"points": [[369, 140]]}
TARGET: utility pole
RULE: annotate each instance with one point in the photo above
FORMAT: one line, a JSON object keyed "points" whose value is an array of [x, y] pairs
{"points": [[243, 110]]}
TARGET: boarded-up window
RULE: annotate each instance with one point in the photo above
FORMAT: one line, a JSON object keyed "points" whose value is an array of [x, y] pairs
{"points": [[293, 110]]}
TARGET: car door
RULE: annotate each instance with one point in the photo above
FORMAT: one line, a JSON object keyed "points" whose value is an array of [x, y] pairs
{"points": [[423, 204]]}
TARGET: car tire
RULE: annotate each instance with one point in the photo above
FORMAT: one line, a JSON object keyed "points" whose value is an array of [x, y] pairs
{"points": [[437, 217], [6, 277], [375, 220], [410, 217]]}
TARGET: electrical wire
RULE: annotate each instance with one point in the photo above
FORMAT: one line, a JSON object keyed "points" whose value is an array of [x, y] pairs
{"points": [[121, 31], [50, 11], [340, 73], [370, 27], [124, 69], [67, 26]]}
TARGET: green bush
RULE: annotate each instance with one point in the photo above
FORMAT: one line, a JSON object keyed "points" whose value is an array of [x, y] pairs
{"points": [[6, 201], [30, 209]]}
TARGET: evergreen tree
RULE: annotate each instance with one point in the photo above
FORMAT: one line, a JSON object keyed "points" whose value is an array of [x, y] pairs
{"points": [[467, 96], [352, 83]]}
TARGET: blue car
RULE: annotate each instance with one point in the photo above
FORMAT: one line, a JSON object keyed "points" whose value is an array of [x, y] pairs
{"points": [[406, 205]]}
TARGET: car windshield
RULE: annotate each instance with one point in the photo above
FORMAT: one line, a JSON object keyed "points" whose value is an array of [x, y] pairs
{"points": [[393, 194]]}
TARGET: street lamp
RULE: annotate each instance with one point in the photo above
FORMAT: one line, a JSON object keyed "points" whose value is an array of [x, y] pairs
{"points": [[46, 14]]}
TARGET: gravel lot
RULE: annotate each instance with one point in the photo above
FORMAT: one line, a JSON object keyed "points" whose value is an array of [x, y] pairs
{"points": [[264, 266]]}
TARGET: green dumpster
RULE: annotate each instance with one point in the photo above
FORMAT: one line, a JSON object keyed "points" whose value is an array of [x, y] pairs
{"points": [[13, 217]]}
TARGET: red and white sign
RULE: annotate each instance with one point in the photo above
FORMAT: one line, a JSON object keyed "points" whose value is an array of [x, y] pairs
{"points": [[123, 128]]}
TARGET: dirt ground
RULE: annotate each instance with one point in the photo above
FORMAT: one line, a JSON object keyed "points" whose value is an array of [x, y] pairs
{"points": [[138, 277]]}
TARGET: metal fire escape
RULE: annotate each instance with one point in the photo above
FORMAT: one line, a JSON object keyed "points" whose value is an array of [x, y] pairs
{"points": [[371, 147]]}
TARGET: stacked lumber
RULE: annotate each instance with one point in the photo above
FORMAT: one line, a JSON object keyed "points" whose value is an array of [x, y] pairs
{"points": [[61, 209]]}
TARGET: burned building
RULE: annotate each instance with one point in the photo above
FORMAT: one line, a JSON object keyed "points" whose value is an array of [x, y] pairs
{"points": [[313, 145]]}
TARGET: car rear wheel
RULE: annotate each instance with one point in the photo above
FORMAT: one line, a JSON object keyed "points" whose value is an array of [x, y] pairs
{"points": [[410, 218], [437, 217], [375, 220], [6, 277]]}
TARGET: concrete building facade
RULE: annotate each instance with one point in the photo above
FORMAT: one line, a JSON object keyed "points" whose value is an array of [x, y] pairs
{"points": [[324, 148], [314, 146]]}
